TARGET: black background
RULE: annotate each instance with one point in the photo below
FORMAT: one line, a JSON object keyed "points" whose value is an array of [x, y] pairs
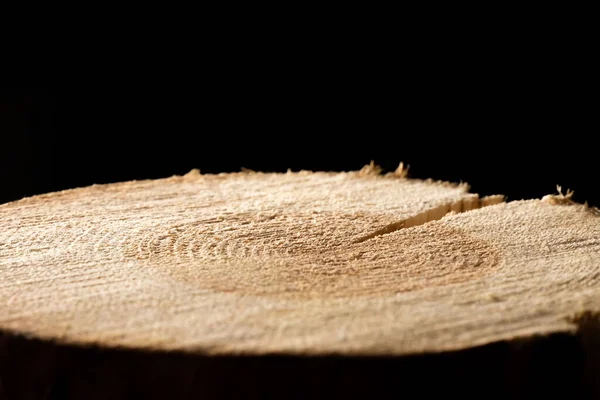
{"points": [[515, 129]]}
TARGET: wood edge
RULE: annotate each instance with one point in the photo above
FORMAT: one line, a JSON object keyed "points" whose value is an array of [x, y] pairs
{"points": [[368, 171], [571, 325]]}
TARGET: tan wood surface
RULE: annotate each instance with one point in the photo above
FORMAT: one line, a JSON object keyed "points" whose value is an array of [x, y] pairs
{"points": [[299, 263]]}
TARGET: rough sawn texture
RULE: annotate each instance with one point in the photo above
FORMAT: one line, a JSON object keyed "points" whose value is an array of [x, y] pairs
{"points": [[297, 263]]}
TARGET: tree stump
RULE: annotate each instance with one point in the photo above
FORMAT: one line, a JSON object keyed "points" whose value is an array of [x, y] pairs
{"points": [[165, 287]]}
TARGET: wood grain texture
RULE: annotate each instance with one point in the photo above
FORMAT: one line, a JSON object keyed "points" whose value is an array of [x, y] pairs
{"points": [[297, 263]]}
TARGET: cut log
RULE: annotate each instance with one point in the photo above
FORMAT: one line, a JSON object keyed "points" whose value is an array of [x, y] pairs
{"points": [[294, 264]]}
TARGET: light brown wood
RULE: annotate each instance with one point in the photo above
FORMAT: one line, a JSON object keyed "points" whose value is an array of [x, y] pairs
{"points": [[300, 263]]}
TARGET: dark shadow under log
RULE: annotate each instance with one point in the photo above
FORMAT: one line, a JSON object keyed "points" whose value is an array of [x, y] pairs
{"points": [[552, 366]]}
